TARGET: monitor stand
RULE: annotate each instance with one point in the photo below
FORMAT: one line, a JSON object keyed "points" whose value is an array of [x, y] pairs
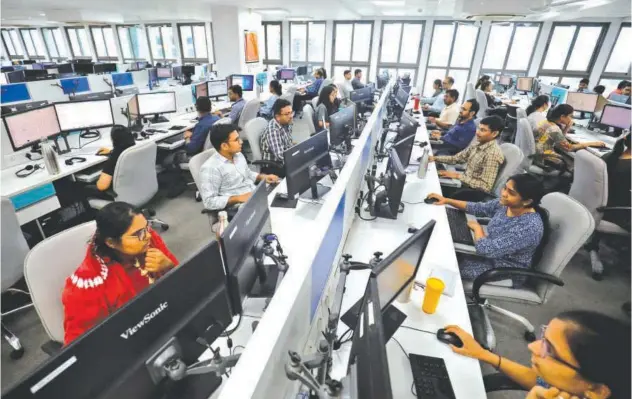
{"points": [[382, 209], [137, 125], [317, 190], [159, 119]]}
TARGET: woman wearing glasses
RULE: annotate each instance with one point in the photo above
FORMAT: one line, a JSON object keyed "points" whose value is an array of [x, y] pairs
{"points": [[123, 258], [579, 355]]}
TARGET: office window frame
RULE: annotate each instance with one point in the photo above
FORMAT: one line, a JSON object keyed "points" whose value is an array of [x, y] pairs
{"points": [[308, 63], [401, 65], [564, 72], [504, 70], [351, 64], [136, 57], [75, 29], [46, 44], [617, 75], [162, 39], [100, 28], [272, 61], [447, 67], [210, 56], [16, 55], [30, 32]]}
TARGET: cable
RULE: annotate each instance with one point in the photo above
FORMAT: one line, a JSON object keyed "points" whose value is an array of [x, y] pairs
{"points": [[416, 329], [412, 203], [227, 333]]}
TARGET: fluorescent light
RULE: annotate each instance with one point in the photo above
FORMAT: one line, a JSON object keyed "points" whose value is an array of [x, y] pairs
{"points": [[272, 11], [299, 19], [387, 3]]}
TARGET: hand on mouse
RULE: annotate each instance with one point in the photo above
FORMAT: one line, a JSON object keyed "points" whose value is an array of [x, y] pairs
{"points": [[104, 151], [440, 199], [538, 392], [470, 347]]}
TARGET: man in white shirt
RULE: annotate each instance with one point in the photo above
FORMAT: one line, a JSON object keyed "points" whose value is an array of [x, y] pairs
{"points": [[450, 112], [346, 88]]}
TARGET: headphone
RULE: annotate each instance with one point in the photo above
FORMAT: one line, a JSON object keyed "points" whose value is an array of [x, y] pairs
{"points": [[73, 160], [30, 169]]}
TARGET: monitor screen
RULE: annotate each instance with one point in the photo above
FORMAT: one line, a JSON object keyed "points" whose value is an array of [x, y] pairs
{"points": [[176, 71], [401, 98], [504, 80], [65, 68], [28, 127], [153, 74], [80, 115], [37, 66], [558, 96], [156, 103], [217, 88], [84, 68], [245, 81], [122, 79], [524, 84], [188, 70], [163, 73], [75, 85], [404, 149], [16, 77], [287, 74], [132, 107], [619, 98], [618, 117], [582, 102], [201, 90], [14, 92]]}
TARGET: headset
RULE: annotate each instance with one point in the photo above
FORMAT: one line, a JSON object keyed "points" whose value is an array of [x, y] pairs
{"points": [[28, 170], [71, 161]]}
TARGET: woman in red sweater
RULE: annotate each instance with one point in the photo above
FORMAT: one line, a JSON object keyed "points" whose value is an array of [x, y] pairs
{"points": [[123, 258]]}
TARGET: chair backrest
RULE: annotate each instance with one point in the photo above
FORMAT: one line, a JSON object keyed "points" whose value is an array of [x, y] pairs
{"points": [[469, 91], [315, 102], [13, 245], [521, 113], [482, 103], [224, 121], [291, 89], [135, 179], [590, 182], [525, 141], [513, 159], [249, 112], [196, 162], [570, 225], [326, 82], [253, 131], [289, 96], [308, 117], [46, 268]]}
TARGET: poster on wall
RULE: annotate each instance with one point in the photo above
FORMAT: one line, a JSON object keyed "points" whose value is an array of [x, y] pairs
{"points": [[252, 46]]}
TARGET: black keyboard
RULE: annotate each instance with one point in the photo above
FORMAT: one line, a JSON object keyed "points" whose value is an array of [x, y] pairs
{"points": [[174, 139], [458, 227], [430, 377]]}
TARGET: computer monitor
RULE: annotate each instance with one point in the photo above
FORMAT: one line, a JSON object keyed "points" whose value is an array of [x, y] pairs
{"points": [[156, 104], [109, 67], [387, 202], [84, 115], [27, 62], [368, 362], [361, 95], [16, 77], [524, 84], [10, 109], [37, 66], [406, 88], [241, 247], [164, 73], [188, 69], [245, 81], [99, 95], [84, 68], [152, 75], [217, 88], [201, 90], [287, 74], [177, 72], [401, 98], [616, 117], [73, 86], [558, 96], [7, 69], [504, 80], [65, 68], [140, 65], [14, 92], [404, 149], [35, 75], [305, 164], [29, 127], [302, 70], [619, 98], [122, 79], [116, 358], [582, 102], [407, 126], [341, 127]]}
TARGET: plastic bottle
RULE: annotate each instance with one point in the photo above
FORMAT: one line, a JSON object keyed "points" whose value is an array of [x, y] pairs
{"points": [[50, 157], [423, 163], [222, 223]]}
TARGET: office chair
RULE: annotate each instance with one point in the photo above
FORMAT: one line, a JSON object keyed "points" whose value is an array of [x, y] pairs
{"points": [[14, 250], [308, 112], [46, 268], [470, 92], [482, 102], [195, 165], [289, 96], [134, 181], [590, 188], [249, 112], [570, 225], [253, 131], [315, 102], [521, 113], [326, 82], [224, 121]]}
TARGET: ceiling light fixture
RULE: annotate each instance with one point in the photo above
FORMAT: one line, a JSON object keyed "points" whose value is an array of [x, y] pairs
{"points": [[272, 11], [387, 3], [42, 14]]}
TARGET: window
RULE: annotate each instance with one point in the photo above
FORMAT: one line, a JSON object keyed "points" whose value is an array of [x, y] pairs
{"points": [[400, 47], [351, 48], [133, 43], [571, 50], [451, 54], [78, 39], [12, 43], [104, 43], [510, 48], [193, 42], [618, 65], [307, 44], [272, 43], [55, 43], [161, 42], [33, 42]]}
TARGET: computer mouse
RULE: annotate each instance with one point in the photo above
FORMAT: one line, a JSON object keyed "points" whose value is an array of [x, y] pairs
{"points": [[100, 152], [449, 338], [431, 200]]}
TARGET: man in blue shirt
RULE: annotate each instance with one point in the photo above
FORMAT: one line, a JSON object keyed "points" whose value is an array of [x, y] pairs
{"points": [[235, 94], [461, 134], [309, 92], [438, 104], [195, 139]]}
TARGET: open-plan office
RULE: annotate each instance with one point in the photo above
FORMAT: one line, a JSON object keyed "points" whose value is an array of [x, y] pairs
{"points": [[336, 199]]}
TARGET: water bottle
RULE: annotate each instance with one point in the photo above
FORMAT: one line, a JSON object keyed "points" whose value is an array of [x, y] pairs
{"points": [[50, 157], [222, 223], [423, 163]]}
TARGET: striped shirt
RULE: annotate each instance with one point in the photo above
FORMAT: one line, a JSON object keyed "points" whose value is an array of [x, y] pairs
{"points": [[275, 140], [221, 179]]}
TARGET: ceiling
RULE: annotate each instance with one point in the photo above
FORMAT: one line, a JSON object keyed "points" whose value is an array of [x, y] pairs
{"points": [[52, 12]]}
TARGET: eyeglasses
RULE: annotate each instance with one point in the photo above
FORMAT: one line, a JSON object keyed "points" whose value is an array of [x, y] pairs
{"points": [[547, 350], [141, 234]]}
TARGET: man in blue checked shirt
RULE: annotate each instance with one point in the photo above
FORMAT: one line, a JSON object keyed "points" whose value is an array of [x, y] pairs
{"points": [[277, 138], [309, 92], [461, 134], [195, 139], [235, 94]]}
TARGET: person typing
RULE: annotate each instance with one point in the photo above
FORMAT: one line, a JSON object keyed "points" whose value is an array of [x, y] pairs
{"points": [[235, 94], [460, 135], [277, 138], [122, 139], [123, 258], [438, 105], [195, 138], [225, 179], [309, 92], [438, 91], [325, 108], [536, 111], [275, 92], [482, 159], [356, 83], [347, 87], [449, 113]]}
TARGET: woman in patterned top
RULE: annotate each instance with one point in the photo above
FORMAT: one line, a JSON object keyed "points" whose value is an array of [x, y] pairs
{"points": [[516, 233], [579, 354]]}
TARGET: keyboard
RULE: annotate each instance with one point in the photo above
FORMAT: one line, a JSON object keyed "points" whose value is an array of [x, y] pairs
{"points": [[458, 227], [173, 139], [89, 175], [430, 377]]}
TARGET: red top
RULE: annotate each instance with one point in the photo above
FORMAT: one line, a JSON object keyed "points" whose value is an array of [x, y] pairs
{"points": [[99, 287]]}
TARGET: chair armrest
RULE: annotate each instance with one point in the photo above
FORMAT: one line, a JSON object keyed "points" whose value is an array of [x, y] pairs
{"points": [[273, 164], [500, 382], [501, 273], [51, 347]]}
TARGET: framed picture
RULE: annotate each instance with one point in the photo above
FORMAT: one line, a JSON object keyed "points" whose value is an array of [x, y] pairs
{"points": [[251, 46]]}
